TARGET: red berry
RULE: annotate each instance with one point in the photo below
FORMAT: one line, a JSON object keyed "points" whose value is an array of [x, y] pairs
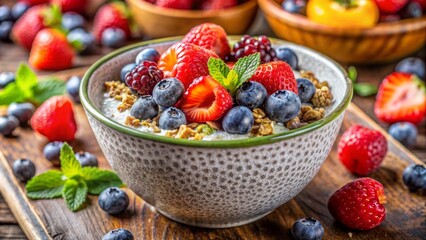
{"points": [[176, 4], [205, 100], [143, 77], [359, 204], [210, 36], [71, 5], [401, 98], [218, 4], [55, 119], [391, 6], [275, 76], [362, 150], [185, 61], [28, 25], [111, 15], [249, 45]]}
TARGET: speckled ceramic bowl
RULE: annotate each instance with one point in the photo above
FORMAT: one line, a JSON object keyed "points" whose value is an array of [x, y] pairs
{"points": [[215, 184]]}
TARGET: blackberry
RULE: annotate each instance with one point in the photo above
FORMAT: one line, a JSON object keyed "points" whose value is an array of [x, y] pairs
{"points": [[144, 77], [249, 45]]}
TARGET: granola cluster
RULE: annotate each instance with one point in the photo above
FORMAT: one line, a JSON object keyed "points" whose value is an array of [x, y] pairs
{"points": [[263, 125], [322, 96], [119, 91]]}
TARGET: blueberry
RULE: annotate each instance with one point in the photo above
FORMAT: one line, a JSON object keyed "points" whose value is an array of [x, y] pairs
{"points": [[238, 120], [72, 20], [147, 54], [52, 152], [288, 56], [283, 105], [84, 40], [18, 9], [307, 229], [404, 132], [5, 13], [127, 68], [294, 6], [24, 169], [306, 89], [113, 37], [414, 176], [8, 124], [22, 111], [251, 95], [6, 78], [73, 86], [118, 234], [144, 108], [412, 10], [87, 159], [171, 118], [113, 200], [5, 29], [168, 91], [412, 65]]}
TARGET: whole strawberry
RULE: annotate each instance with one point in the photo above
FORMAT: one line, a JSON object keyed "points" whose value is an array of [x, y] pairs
{"points": [[54, 119], [275, 76], [175, 4], [51, 51], [185, 61], [32, 21], [111, 15], [362, 150], [35, 2], [218, 4], [71, 5], [210, 36], [359, 204], [391, 6]]}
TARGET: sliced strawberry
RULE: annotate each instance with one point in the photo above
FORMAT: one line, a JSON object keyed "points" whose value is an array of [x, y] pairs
{"points": [[185, 61], [205, 100], [401, 97], [275, 76]]}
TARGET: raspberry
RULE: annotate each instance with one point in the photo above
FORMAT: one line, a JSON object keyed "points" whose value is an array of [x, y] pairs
{"points": [[249, 45], [143, 77]]}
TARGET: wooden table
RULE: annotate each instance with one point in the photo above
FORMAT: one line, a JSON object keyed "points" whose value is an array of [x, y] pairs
{"points": [[11, 56]]}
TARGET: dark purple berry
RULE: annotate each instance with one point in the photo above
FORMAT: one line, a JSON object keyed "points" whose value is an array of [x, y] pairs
{"points": [[144, 77], [306, 89], [307, 229], [113, 37], [118, 234], [86, 159], [288, 56], [72, 20], [126, 69], [144, 108], [168, 91], [6, 78], [22, 111], [147, 54], [24, 169], [113, 200], [249, 45], [18, 9], [251, 95], [52, 152], [73, 87], [8, 124], [414, 176], [412, 65], [404, 132], [294, 6], [238, 120], [282, 105], [171, 118]]}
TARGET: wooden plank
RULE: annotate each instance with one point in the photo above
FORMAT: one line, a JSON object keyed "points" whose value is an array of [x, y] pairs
{"points": [[6, 215], [405, 219], [11, 232]]}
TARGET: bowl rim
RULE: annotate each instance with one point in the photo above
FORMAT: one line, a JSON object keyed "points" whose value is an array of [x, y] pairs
{"points": [[272, 8], [236, 143], [191, 14]]}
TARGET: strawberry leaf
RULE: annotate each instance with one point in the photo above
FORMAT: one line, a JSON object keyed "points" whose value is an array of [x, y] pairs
{"points": [[218, 70], [74, 194], [246, 67], [70, 166], [52, 16]]}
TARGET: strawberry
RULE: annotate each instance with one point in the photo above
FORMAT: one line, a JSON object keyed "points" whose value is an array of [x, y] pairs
{"points": [[35, 2], [401, 98], [185, 61], [275, 76], [218, 4], [111, 15], [71, 5], [51, 51], [359, 204], [32, 21], [362, 150], [54, 119], [210, 36], [176, 4], [391, 6], [205, 100]]}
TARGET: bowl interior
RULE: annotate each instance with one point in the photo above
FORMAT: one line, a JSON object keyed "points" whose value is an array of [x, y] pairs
{"points": [[108, 69]]}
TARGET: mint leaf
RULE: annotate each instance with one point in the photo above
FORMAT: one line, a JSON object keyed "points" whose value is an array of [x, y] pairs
{"points": [[231, 82], [365, 89], [70, 166], [98, 180], [352, 74], [46, 185], [12, 93], [74, 194], [26, 79], [46, 89], [218, 69], [246, 67]]}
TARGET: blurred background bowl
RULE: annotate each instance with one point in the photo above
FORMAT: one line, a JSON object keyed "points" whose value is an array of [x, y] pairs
{"points": [[383, 43], [159, 22]]}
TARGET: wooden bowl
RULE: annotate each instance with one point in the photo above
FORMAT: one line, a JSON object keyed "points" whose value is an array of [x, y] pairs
{"points": [[159, 22], [383, 43]]}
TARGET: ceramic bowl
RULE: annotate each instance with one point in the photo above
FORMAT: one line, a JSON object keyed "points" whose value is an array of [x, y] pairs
{"points": [[215, 184], [385, 42], [159, 22]]}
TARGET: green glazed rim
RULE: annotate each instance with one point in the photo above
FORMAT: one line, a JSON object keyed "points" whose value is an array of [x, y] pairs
{"points": [[237, 143]]}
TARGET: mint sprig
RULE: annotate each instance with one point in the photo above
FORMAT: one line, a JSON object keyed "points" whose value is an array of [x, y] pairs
{"points": [[242, 71], [28, 88], [73, 182], [361, 89]]}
